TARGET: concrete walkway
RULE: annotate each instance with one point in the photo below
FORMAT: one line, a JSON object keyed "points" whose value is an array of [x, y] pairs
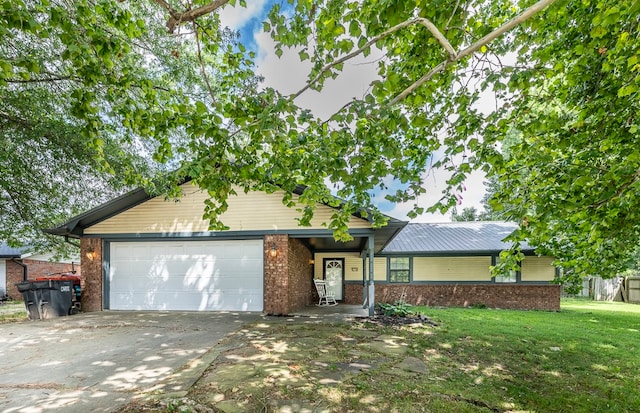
{"points": [[332, 313], [98, 362]]}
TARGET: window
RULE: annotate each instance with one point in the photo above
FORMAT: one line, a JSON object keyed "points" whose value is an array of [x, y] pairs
{"points": [[510, 276], [399, 269]]}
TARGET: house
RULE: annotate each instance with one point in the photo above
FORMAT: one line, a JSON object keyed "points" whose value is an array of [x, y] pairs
{"points": [[145, 253], [16, 264], [448, 264]]}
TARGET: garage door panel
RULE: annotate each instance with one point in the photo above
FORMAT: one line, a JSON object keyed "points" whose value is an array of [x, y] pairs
{"points": [[164, 300], [196, 276]]}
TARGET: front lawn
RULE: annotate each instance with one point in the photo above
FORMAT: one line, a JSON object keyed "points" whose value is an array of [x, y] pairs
{"points": [[585, 358], [12, 311]]}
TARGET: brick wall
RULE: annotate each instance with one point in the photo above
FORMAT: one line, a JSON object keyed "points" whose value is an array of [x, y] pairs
{"points": [[91, 282], [300, 276], [35, 269], [287, 276], [14, 275], [511, 296], [276, 275]]}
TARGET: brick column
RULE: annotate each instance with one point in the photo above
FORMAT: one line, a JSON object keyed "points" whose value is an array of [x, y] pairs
{"points": [[276, 275], [91, 282], [300, 275]]}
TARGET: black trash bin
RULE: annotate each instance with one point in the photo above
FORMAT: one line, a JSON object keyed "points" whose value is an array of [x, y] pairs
{"points": [[47, 298]]}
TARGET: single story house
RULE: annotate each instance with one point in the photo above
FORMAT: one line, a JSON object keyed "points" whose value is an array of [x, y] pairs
{"points": [[16, 264], [145, 253]]}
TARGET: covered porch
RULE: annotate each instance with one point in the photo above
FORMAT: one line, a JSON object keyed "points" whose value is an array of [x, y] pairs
{"points": [[295, 259]]}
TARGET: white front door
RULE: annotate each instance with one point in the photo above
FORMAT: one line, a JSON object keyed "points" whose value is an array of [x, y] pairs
{"points": [[334, 275], [186, 275]]}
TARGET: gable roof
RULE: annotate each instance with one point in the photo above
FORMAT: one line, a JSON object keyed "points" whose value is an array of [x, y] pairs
{"points": [[472, 237], [76, 226], [10, 252]]}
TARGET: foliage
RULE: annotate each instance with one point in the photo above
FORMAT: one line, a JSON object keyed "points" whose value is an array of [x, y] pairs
{"points": [[467, 214], [561, 139], [571, 175], [96, 96], [397, 309]]}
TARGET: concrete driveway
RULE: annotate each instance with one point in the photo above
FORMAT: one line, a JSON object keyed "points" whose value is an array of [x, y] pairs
{"points": [[100, 361]]}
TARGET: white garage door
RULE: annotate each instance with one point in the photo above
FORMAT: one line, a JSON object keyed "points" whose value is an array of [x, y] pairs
{"points": [[186, 275]]}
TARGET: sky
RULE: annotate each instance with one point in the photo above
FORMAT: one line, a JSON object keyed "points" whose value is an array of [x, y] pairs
{"points": [[288, 75]]}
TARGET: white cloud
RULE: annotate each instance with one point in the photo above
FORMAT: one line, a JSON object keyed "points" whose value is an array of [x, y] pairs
{"points": [[237, 17], [288, 75]]}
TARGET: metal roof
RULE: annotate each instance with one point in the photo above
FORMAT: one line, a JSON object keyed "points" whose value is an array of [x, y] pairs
{"points": [[10, 252], [453, 237]]}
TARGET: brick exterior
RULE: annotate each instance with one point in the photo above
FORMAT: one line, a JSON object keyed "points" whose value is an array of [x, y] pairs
{"points": [[287, 276], [35, 269], [276, 275], [300, 276], [91, 282], [508, 296]]}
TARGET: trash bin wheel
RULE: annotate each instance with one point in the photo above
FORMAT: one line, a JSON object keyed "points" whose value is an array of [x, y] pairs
{"points": [[73, 310]]}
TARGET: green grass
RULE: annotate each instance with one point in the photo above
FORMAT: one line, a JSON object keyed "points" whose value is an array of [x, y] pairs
{"points": [[585, 358], [12, 311]]}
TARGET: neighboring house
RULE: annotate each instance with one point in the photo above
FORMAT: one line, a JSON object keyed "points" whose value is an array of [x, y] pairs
{"points": [[144, 253], [18, 263]]}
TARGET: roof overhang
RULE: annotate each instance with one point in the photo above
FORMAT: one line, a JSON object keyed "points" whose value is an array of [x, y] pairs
{"points": [[323, 240]]}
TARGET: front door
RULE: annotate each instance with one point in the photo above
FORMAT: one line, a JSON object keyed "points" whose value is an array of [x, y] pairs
{"points": [[334, 275]]}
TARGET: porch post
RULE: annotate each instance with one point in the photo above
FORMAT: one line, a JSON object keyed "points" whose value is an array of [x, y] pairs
{"points": [[363, 255], [372, 290]]}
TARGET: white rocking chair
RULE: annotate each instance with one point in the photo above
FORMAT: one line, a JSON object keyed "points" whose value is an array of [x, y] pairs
{"points": [[327, 297]]}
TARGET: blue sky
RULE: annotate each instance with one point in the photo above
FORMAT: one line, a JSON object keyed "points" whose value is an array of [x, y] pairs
{"points": [[287, 74]]}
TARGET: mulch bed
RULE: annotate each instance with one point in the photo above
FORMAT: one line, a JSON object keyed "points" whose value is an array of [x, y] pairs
{"points": [[390, 320]]}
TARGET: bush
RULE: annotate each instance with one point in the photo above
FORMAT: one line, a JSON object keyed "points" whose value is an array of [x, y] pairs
{"points": [[398, 309]]}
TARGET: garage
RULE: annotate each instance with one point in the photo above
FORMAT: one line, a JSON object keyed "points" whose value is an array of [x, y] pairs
{"points": [[224, 275]]}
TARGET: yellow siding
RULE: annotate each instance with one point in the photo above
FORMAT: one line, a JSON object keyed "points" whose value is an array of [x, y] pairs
{"points": [[250, 211], [379, 268], [352, 261], [537, 269], [451, 268]]}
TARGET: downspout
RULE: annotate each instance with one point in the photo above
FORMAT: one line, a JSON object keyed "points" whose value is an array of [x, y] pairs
{"points": [[75, 244], [24, 269], [68, 241]]}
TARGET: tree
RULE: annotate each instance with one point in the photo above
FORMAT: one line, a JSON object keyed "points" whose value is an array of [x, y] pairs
{"points": [[95, 99], [571, 96], [467, 214]]}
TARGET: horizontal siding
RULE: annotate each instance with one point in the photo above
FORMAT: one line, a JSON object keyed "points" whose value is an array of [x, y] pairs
{"points": [[537, 269], [451, 268], [253, 211], [379, 269], [351, 260]]}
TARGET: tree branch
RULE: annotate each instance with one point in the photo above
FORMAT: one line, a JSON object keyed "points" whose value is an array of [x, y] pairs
{"points": [[633, 179], [422, 21], [177, 18], [202, 66], [516, 21]]}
